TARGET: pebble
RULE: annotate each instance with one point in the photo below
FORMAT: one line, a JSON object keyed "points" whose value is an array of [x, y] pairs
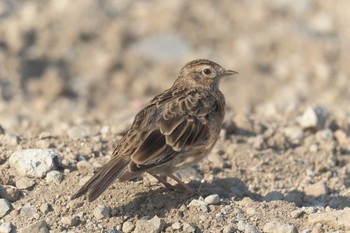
{"points": [[297, 213], [228, 229], [45, 208], [101, 212], [188, 227], [176, 226], [5, 206], [5, 227], [9, 192], [250, 229], [212, 199], [54, 177], [29, 210], [316, 189], [273, 196], [153, 225], [279, 227], [196, 202], [84, 165], [70, 220], [34, 162], [294, 134], [259, 143], [24, 183], [324, 135], [37, 227], [128, 227]]}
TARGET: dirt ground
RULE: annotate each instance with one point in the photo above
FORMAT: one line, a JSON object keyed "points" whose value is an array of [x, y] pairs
{"points": [[74, 73]]}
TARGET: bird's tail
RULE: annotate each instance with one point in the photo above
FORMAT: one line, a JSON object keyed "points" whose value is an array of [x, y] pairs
{"points": [[97, 184]]}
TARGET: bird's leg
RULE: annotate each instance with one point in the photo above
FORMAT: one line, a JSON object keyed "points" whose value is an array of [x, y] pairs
{"points": [[182, 184], [166, 184]]}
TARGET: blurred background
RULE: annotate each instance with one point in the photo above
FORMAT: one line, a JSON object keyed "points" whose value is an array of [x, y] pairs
{"points": [[71, 62]]}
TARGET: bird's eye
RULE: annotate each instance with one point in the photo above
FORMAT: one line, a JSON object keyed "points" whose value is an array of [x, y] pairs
{"points": [[207, 71]]}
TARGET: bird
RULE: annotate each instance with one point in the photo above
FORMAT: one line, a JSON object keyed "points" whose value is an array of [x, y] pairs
{"points": [[175, 130]]}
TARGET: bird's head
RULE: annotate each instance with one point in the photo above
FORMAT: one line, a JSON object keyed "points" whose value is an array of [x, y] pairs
{"points": [[202, 73]]}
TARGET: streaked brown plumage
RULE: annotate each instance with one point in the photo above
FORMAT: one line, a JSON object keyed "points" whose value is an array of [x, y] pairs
{"points": [[175, 130]]}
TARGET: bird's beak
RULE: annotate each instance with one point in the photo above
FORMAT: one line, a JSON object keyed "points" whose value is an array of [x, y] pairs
{"points": [[225, 73]]}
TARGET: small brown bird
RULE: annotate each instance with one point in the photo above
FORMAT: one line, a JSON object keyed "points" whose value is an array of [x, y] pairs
{"points": [[175, 130]]}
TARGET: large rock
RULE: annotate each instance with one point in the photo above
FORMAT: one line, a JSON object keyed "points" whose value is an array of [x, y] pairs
{"points": [[37, 227], [34, 162]]}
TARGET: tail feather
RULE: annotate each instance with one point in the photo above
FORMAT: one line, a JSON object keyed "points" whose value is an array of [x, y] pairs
{"points": [[97, 184]]}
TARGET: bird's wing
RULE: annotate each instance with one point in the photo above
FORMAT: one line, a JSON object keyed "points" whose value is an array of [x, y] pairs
{"points": [[181, 122]]}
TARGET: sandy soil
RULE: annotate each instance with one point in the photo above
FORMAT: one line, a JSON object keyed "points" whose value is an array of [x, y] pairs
{"points": [[74, 73]]}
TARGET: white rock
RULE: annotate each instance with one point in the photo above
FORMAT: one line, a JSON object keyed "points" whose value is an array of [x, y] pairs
{"points": [[313, 118], [34, 162], [101, 212], [5, 206], [196, 202], [128, 227], [176, 226], [70, 220], [37, 227], [5, 227], [153, 225], [212, 199], [296, 213], [294, 134], [54, 177], [279, 227]]}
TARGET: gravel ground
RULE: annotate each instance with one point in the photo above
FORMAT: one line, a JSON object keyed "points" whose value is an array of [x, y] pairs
{"points": [[74, 73]]}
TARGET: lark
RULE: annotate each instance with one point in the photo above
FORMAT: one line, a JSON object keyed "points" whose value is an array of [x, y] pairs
{"points": [[175, 130]]}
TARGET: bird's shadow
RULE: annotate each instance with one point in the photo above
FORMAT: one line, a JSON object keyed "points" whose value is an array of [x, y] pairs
{"points": [[151, 203]]}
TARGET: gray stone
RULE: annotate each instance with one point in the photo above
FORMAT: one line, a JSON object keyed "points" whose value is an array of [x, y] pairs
{"points": [[279, 227], [128, 227], [37, 227], [101, 212], [34, 162], [5, 206], [10, 193], [295, 197], [250, 229], [24, 183], [212, 199], [54, 177], [5, 227], [273, 196], [153, 225], [29, 210]]}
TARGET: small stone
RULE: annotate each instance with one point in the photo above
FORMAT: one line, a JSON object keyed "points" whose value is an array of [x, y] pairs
{"points": [[273, 196], [45, 208], [187, 227], [5, 206], [341, 137], [313, 118], [250, 229], [241, 225], [128, 227], [212, 199], [29, 210], [294, 134], [279, 227], [101, 212], [5, 227], [316, 189], [37, 227], [196, 202], [295, 197], [296, 213], [70, 220], [13, 139], [153, 225], [10, 193], [54, 177], [259, 143], [228, 229], [34, 162], [324, 135], [24, 183], [176, 226]]}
